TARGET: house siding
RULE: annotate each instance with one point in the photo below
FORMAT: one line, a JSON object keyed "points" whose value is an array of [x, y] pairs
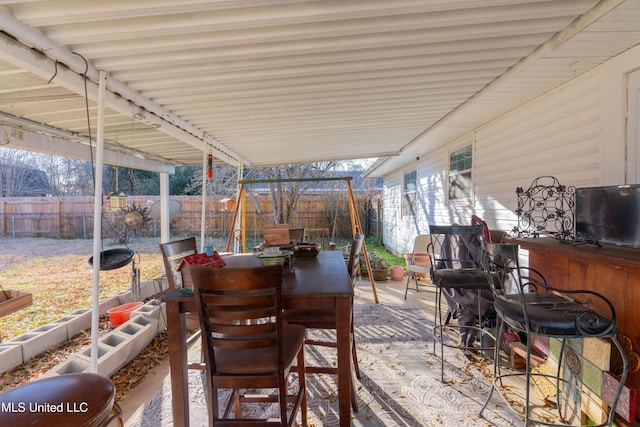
{"points": [[556, 134]]}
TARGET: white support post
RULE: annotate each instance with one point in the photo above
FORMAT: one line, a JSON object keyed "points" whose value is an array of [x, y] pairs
{"points": [[203, 216], [97, 224], [165, 220]]}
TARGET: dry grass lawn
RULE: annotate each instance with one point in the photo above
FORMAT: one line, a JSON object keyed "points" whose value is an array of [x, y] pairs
{"points": [[57, 273]]}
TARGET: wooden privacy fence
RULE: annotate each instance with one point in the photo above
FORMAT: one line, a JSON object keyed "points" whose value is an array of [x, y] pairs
{"points": [[72, 217]]}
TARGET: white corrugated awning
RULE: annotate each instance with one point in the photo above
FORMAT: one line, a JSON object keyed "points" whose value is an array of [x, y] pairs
{"points": [[268, 82]]}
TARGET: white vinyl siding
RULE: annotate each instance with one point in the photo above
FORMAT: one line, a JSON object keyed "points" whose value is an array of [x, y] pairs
{"points": [[556, 134]]}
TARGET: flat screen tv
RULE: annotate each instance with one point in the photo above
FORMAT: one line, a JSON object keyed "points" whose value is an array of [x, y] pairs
{"points": [[608, 215]]}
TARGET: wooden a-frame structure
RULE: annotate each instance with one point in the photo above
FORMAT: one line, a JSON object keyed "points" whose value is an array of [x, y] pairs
{"points": [[356, 225]]}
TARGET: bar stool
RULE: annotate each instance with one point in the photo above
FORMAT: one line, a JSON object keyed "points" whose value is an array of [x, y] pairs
{"points": [[533, 307], [455, 255], [81, 399]]}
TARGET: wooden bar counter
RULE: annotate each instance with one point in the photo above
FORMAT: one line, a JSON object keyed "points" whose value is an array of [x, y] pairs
{"points": [[610, 270]]}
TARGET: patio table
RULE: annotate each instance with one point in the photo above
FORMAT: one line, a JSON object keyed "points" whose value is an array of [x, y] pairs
{"points": [[317, 283]]}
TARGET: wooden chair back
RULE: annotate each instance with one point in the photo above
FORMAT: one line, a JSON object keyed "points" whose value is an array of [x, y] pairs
{"points": [[172, 254], [246, 345], [276, 234], [239, 309], [296, 235]]}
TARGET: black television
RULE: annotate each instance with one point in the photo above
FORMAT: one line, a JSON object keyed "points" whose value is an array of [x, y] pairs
{"points": [[608, 215]]}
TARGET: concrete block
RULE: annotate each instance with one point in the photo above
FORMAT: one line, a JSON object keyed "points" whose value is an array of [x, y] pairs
{"points": [[155, 309], [142, 329], [72, 365], [124, 297], [76, 322], [10, 356], [109, 358], [114, 351], [150, 289], [108, 303], [40, 339], [121, 345]]}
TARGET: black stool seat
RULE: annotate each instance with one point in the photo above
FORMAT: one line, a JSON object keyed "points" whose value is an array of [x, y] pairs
{"points": [[81, 400], [466, 278], [550, 314]]}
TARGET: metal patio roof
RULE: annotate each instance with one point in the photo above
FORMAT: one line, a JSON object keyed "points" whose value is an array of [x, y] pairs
{"points": [[267, 82]]}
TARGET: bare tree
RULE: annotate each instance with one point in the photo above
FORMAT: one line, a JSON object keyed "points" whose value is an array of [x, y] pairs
{"points": [[69, 177], [223, 181], [285, 195], [19, 176]]}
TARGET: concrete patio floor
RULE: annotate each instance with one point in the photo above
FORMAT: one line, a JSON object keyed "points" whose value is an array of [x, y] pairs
{"points": [[389, 293]]}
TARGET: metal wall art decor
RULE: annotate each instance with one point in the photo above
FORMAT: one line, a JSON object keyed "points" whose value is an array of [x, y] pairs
{"points": [[546, 207]]}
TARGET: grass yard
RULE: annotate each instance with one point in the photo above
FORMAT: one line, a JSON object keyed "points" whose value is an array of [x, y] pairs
{"points": [[60, 279]]}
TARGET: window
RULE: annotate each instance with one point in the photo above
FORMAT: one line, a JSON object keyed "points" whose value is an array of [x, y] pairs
{"points": [[409, 191], [460, 178]]}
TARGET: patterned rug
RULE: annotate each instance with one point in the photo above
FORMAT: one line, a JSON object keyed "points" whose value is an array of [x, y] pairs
{"points": [[400, 383]]}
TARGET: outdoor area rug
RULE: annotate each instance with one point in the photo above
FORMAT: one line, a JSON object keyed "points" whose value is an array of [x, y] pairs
{"points": [[400, 383]]}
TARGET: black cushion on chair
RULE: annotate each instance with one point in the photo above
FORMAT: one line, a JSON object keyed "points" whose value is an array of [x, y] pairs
{"points": [[460, 278], [85, 399], [551, 314]]}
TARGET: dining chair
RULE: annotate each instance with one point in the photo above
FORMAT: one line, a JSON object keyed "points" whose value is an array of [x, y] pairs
{"points": [[296, 235], [533, 307], [276, 235], [415, 268], [454, 254], [325, 319], [248, 348], [172, 254]]}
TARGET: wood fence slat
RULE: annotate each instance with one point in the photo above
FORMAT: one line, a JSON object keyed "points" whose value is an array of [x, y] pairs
{"points": [[72, 217]]}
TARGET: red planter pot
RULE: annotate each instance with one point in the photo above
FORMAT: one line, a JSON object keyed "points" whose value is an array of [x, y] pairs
{"points": [[120, 314]]}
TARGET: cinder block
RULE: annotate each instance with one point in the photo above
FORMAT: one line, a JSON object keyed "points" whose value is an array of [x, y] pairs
{"points": [[114, 351], [108, 303], [10, 356], [150, 289], [142, 329], [109, 358], [124, 297], [155, 309], [72, 365], [40, 339], [76, 322]]}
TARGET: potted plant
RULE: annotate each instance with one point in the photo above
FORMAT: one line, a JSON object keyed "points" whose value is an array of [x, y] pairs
{"points": [[397, 272], [379, 267]]}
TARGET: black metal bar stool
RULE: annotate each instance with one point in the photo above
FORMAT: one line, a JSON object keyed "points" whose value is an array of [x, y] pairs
{"points": [[527, 304], [455, 254]]}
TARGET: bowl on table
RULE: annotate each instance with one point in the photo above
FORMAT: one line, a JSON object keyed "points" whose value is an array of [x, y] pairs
{"points": [[273, 257], [306, 250]]}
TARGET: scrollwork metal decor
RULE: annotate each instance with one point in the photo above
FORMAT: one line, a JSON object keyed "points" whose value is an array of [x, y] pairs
{"points": [[546, 207]]}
